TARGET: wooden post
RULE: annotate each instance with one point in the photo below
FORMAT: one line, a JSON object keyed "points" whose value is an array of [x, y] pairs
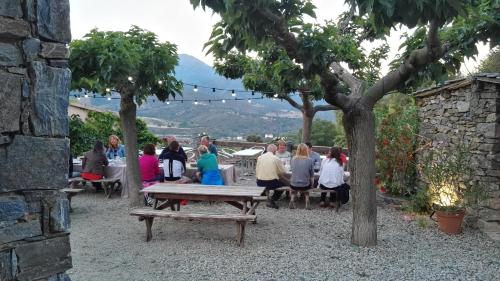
{"points": [[149, 224], [241, 233], [306, 195]]}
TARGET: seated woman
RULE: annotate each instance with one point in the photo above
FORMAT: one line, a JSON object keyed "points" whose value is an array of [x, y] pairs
{"points": [[174, 163], [208, 169], [148, 164], [115, 148], [331, 177], [93, 163], [302, 174]]}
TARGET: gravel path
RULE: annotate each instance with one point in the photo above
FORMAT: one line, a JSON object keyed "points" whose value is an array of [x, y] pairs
{"points": [[108, 244]]}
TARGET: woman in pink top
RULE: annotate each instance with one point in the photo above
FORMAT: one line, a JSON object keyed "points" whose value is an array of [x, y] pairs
{"points": [[148, 164]]}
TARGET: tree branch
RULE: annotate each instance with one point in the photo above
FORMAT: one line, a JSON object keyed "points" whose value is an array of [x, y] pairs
{"points": [[417, 60], [293, 103], [354, 83], [326, 107]]}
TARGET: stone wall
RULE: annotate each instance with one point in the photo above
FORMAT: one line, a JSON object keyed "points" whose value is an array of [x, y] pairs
{"points": [[468, 110], [34, 150]]}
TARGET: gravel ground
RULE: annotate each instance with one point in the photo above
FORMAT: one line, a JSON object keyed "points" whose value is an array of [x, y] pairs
{"points": [[108, 244]]}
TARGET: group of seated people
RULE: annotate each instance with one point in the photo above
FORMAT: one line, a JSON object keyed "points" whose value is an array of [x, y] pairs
{"points": [[271, 173], [173, 161], [95, 160]]}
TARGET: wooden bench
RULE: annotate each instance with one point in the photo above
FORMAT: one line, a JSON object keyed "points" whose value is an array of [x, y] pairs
{"points": [[108, 185], [149, 215], [306, 195], [70, 192]]}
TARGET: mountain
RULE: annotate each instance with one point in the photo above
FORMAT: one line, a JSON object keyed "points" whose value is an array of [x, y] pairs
{"points": [[229, 119]]}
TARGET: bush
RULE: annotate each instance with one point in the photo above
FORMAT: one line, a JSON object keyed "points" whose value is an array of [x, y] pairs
{"points": [[254, 138]]}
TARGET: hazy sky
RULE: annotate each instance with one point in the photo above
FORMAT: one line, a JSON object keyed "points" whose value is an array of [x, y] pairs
{"points": [[176, 21]]}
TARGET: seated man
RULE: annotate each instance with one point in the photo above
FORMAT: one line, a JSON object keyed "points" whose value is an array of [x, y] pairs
{"points": [[284, 155], [314, 156], [212, 148], [270, 173]]}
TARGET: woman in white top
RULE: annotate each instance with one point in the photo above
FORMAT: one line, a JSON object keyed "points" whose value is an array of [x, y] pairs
{"points": [[331, 175]]}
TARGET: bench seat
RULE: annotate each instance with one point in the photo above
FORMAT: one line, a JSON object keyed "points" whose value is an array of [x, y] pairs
{"points": [[109, 185], [149, 214]]}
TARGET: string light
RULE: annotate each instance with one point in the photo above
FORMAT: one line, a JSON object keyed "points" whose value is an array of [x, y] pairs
{"points": [[233, 93], [130, 78], [195, 88], [196, 102], [109, 98], [275, 95], [223, 101], [78, 97], [108, 90], [160, 82], [86, 95], [249, 101], [168, 102]]}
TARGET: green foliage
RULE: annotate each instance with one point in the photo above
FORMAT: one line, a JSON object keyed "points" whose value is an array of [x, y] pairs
{"points": [[396, 140], [105, 60], [491, 63], [99, 126], [339, 137], [254, 138], [449, 176]]}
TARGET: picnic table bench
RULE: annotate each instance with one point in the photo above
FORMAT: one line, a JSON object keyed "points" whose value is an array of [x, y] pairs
{"points": [[149, 214], [244, 198], [70, 192], [108, 185], [315, 190]]}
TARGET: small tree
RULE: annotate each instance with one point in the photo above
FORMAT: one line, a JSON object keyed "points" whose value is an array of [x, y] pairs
{"points": [[491, 63], [135, 65]]}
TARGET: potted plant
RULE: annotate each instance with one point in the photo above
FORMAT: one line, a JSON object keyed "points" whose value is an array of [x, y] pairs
{"points": [[449, 175]]}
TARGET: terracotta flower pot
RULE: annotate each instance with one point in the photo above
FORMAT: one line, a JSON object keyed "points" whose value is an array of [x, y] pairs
{"points": [[450, 222]]}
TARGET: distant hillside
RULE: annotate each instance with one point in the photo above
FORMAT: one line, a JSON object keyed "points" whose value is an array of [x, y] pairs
{"points": [[233, 118]]}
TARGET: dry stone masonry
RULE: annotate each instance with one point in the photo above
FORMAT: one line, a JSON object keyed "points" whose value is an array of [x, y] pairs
{"points": [[34, 149], [468, 110]]}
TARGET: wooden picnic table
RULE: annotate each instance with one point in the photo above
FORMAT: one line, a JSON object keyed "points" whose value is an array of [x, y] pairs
{"points": [[241, 197], [245, 198], [249, 158]]}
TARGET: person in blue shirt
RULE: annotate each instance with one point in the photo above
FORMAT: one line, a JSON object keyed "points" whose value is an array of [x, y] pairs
{"points": [[115, 148], [208, 169]]}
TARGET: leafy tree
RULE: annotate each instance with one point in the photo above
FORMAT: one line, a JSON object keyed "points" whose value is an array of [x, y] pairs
{"points": [[322, 133], [98, 126], [254, 138], [491, 63], [135, 65], [446, 31]]}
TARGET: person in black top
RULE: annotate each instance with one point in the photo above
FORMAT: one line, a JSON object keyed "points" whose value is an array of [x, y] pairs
{"points": [[174, 163]]}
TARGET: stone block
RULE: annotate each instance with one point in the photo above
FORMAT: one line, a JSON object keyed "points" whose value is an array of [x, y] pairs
{"points": [[59, 216], [12, 208], [42, 259], [494, 203], [10, 55], [54, 51], [463, 106], [18, 70], [20, 231], [50, 100], [492, 117], [488, 214], [10, 101], [486, 129], [31, 48], [59, 277], [487, 226], [14, 28], [11, 8], [30, 10], [53, 20], [39, 163], [59, 63], [8, 265]]}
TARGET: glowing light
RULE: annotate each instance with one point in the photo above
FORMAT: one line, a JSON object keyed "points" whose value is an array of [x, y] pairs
{"points": [[160, 82], [109, 98], [195, 88], [78, 97], [223, 101], [86, 95], [233, 93], [249, 101], [168, 102], [108, 90], [196, 102], [130, 78], [275, 95]]}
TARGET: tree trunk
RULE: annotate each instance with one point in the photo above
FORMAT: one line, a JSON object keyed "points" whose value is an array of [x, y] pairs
{"points": [[359, 124], [307, 120], [128, 113]]}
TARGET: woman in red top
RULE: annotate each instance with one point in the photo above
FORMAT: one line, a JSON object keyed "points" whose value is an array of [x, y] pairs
{"points": [[148, 164]]}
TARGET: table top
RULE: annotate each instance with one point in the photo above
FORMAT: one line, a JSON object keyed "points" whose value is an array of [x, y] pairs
{"points": [[221, 166], [248, 152], [205, 190]]}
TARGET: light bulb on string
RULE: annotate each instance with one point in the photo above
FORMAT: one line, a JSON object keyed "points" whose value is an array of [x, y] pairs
{"points": [[249, 101], [78, 97], [275, 95], [109, 98], [86, 95], [160, 82], [130, 78], [223, 101], [233, 93], [213, 90], [108, 90], [168, 102], [195, 88], [196, 102]]}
